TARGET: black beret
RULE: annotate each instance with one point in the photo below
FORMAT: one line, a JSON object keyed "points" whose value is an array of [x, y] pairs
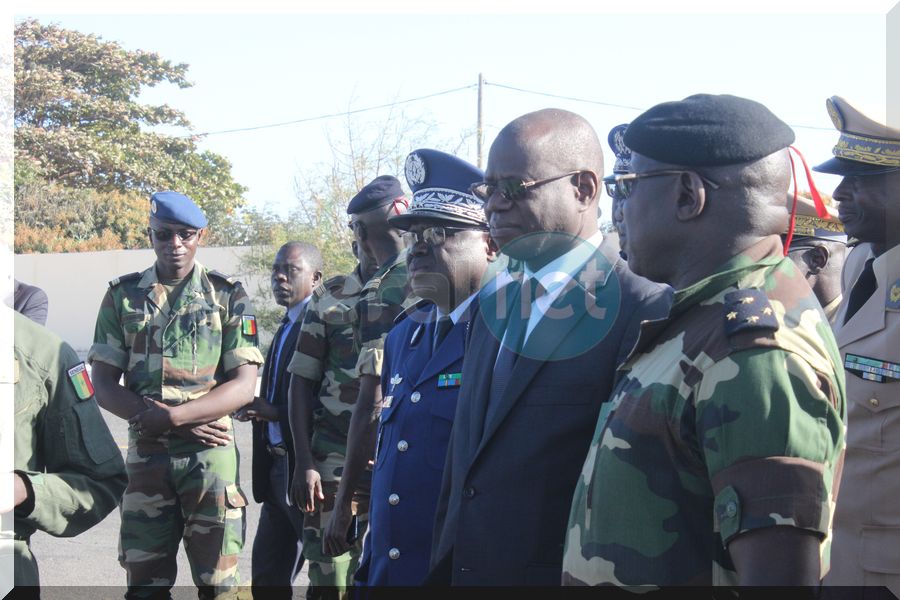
{"points": [[707, 130], [378, 192]]}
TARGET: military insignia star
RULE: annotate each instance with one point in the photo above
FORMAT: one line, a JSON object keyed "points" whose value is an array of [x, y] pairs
{"points": [[748, 310]]}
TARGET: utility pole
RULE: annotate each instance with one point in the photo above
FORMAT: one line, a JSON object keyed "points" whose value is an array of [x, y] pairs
{"points": [[479, 128]]}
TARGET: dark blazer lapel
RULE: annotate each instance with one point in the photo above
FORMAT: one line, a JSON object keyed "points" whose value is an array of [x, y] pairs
{"points": [[417, 360], [547, 336], [452, 347], [287, 352], [478, 369]]}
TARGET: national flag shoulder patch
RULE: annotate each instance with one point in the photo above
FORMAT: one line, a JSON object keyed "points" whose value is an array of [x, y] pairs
{"points": [[248, 324], [81, 381]]}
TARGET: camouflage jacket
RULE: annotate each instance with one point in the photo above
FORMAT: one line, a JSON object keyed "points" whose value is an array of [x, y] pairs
{"points": [[180, 352], [326, 353], [728, 417], [384, 297], [62, 444]]}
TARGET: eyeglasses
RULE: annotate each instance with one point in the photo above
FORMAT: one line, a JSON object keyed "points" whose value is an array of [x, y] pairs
{"points": [[433, 236], [620, 185], [511, 188], [165, 235]]}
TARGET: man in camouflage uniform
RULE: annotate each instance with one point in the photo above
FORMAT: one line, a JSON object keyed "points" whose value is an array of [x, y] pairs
{"points": [[325, 360], [69, 473], [185, 339], [339, 322], [717, 458]]}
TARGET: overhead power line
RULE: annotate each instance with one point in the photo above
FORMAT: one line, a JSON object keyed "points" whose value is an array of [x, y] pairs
{"points": [[443, 93], [338, 114], [548, 95], [637, 108]]}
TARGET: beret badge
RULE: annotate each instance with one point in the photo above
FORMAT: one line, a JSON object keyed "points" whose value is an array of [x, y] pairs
{"points": [[415, 169], [153, 208]]}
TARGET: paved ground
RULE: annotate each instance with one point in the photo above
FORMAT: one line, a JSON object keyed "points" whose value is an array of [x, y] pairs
{"points": [[87, 566]]}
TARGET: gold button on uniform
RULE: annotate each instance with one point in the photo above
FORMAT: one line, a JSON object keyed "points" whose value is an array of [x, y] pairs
{"points": [[402, 445], [394, 553], [873, 401], [415, 397], [393, 499]]}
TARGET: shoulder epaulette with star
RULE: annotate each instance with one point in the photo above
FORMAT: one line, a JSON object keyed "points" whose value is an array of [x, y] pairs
{"points": [[335, 284], [748, 310], [122, 278]]}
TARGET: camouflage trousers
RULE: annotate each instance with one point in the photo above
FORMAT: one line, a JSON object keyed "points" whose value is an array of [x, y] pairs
{"points": [[331, 576], [172, 496]]}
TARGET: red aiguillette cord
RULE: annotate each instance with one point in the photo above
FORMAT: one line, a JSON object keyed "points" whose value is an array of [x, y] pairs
{"points": [[816, 198], [400, 200]]}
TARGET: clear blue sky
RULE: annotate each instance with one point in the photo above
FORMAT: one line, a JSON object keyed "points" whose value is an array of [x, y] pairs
{"points": [[256, 69]]}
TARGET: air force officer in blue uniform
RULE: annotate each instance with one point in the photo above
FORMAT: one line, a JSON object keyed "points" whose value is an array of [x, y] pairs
{"points": [[449, 250]]}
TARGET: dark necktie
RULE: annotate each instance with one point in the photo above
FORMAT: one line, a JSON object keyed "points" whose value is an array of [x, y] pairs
{"points": [[274, 356], [862, 290], [441, 328], [512, 343]]}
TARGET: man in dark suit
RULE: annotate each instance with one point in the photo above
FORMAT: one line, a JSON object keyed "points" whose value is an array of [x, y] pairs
{"points": [[277, 556], [540, 360], [30, 301]]}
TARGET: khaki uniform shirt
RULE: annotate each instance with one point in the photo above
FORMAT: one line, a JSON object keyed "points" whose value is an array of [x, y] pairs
{"points": [[866, 547]]}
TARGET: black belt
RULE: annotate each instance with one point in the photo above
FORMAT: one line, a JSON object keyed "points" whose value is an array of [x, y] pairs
{"points": [[277, 449]]}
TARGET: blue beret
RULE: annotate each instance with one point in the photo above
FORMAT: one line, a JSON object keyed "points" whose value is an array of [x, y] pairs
{"points": [[176, 208], [440, 184], [378, 192], [616, 141], [708, 131]]}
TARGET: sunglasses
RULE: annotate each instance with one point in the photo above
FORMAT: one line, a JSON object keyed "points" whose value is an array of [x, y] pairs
{"points": [[620, 186], [165, 235], [511, 188], [433, 236]]}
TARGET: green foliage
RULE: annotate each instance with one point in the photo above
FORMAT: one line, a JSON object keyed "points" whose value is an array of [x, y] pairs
{"points": [[78, 125], [54, 218]]}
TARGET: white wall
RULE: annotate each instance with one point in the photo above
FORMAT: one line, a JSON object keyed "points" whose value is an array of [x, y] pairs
{"points": [[75, 283]]}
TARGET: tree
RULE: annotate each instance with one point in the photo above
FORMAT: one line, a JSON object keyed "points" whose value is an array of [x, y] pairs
{"points": [[360, 151], [78, 124]]}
